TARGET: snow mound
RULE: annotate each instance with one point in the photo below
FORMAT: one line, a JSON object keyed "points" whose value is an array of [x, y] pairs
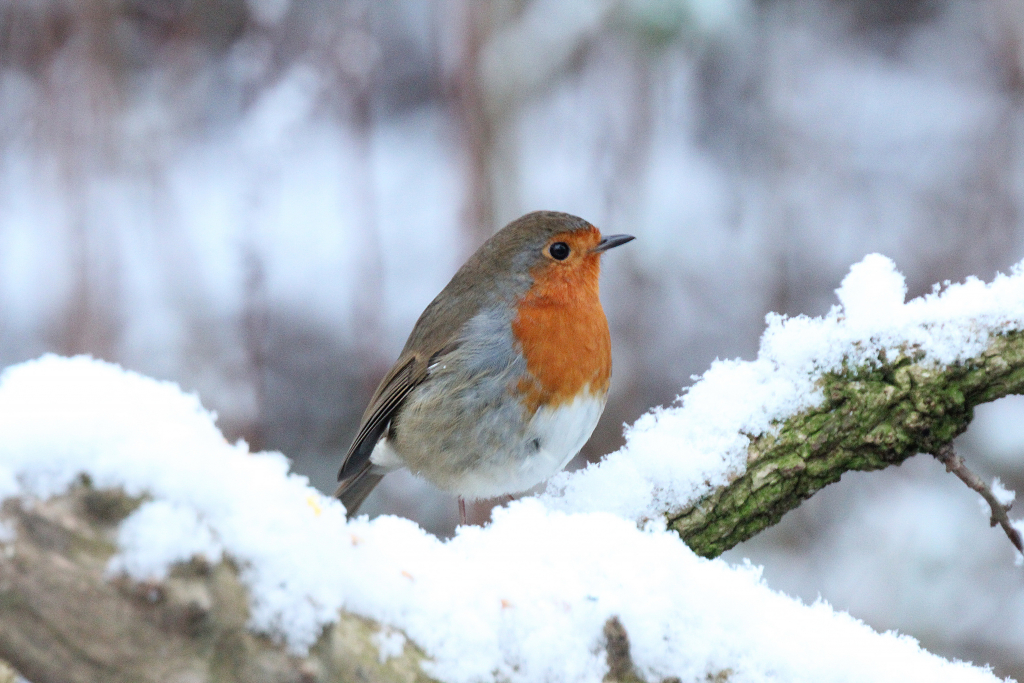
{"points": [[526, 598]]}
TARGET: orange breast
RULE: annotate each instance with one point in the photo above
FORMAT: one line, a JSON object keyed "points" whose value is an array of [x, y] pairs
{"points": [[562, 329]]}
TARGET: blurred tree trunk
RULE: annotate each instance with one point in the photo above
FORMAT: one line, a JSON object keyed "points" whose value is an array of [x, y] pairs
{"points": [[510, 54], [481, 123]]}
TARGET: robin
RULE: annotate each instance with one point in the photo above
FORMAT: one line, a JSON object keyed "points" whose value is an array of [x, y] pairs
{"points": [[505, 374]]}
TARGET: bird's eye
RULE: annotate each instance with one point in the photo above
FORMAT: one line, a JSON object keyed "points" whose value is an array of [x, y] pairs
{"points": [[559, 251]]}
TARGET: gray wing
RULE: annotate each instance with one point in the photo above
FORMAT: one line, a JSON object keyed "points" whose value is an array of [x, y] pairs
{"points": [[436, 333], [389, 395], [407, 374]]}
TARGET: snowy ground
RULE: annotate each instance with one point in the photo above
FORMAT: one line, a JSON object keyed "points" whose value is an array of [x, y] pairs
{"points": [[525, 598]]}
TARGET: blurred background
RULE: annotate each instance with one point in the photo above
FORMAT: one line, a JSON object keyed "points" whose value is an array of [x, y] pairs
{"points": [[256, 199]]}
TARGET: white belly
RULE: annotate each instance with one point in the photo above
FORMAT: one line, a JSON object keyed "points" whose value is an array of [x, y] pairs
{"points": [[559, 434]]}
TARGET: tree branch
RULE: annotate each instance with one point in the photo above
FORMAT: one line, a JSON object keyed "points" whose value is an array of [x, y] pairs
{"points": [[62, 619], [871, 418], [955, 464]]}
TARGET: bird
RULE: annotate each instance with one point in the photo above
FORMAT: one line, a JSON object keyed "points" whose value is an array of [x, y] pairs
{"points": [[505, 374]]}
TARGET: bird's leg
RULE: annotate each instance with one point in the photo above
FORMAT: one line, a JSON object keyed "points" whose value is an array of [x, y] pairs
{"points": [[462, 511]]}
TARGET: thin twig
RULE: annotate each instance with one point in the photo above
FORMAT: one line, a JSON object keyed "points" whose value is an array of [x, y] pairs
{"points": [[955, 464]]}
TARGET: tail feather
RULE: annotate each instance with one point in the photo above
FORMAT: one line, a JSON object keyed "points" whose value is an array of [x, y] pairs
{"points": [[354, 490]]}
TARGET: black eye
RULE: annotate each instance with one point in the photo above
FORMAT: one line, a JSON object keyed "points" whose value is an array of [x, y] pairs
{"points": [[559, 251]]}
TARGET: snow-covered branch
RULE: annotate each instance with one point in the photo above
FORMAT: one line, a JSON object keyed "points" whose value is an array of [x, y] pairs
{"points": [[866, 386], [872, 417], [64, 619], [581, 582]]}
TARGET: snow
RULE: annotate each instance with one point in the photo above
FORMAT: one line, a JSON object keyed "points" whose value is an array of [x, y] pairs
{"points": [[183, 535], [1001, 493], [525, 598], [905, 548], [389, 644], [872, 293], [677, 454]]}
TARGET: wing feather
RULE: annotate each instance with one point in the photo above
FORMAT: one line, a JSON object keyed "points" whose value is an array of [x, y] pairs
{"points": [[389, 395], [436, 334]]}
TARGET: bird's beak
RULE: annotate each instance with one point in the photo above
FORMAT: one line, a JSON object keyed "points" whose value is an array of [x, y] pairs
{"points": [[611, 242]]}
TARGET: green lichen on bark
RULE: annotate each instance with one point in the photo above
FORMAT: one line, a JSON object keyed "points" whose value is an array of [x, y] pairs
{"points": [[871, 418]]}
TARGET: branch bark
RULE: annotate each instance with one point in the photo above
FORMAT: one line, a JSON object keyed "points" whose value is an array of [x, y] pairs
{"points": [[871, 418], [63, 620]]}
